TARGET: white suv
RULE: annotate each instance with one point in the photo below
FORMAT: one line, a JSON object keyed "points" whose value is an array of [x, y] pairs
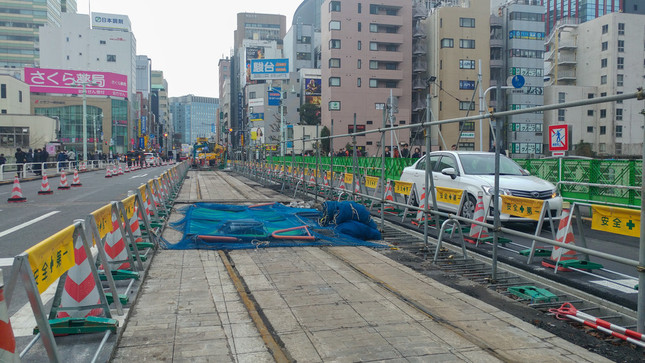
{"points": [[474, 172]]}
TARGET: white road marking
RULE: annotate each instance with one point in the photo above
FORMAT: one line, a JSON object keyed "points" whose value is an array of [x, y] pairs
{"points": [[6, 262], [138, 176], [21, 226], [625, 285]]}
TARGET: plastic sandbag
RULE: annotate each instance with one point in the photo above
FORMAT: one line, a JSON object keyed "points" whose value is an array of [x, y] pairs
{"points": [[358, 230]]}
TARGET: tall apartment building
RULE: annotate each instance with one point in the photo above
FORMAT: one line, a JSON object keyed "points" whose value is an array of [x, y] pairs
{"points": [[366, 57], [19, 24], [597, 58], [458, 42], [302, 41], [197, 114], [160, 107], [517, 48]]}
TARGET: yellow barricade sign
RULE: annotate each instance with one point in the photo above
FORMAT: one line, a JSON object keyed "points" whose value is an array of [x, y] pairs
{"points": [[50, 258], [142, 191], [404, 188], [329, 175], [349, 178], [103, 218], [128, 204], [616, 220], [449, 195], [522, 207], [371, 182]]}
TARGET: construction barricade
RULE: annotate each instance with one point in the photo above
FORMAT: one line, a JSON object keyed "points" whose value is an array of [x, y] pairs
{"points": [[80, 304]]}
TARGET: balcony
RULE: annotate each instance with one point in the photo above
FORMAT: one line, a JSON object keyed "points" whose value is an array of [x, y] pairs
{"points": [[419, 48], [419, 11], [567, 45], [419, 66], [496, 63], [567, 59], [419, 32], [419, 83], [496, 43], [566, 75]]}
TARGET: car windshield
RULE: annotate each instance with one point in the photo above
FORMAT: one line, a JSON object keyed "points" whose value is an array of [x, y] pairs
{"points": [[484, 164]]}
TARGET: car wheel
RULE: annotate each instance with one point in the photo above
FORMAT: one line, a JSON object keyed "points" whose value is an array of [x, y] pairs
{"points": [[468, 209]]}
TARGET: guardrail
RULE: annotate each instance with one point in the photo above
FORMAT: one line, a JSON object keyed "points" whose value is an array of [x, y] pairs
{"points": [[123, 234]]}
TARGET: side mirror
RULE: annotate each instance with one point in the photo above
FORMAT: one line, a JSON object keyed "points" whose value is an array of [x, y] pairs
{"points": [[526, 172], [450, 172]]}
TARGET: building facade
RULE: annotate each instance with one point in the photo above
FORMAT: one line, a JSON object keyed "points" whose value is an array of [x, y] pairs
{"points": [[458, 50], [223, 121], [19, 36], [366, 60], [598, 58], [197, 114]]}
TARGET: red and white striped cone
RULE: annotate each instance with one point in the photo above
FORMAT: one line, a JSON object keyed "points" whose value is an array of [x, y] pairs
{"points": [[135, 226], [341, 182], [44, 186], [120, 170], [325, 180], [115, 247], [560, 253], [63, 184], [84, 166], [108, 172], [422, 205], [80, 287], [16, 192], [8, 341], [476, 231], [76, 181], [312, 179], [389, 197], [115, 171], [127, 168]]}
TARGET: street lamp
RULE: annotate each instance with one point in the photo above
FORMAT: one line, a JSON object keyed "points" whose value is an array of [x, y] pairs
{"points": [[84, 84], [482, 108], [94, 122]]}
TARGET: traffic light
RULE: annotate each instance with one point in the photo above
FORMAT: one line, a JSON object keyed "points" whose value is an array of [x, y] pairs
{"points": [[230, 130], [165, 134]]}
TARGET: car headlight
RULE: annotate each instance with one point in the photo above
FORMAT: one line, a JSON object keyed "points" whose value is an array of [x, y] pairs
{"points": [[491, 190], [555, 193]]}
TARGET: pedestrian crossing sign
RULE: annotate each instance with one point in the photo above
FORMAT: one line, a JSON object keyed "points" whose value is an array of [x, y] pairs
{"points": [[559, 138]]}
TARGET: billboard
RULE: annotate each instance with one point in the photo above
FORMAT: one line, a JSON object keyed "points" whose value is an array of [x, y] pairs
{"points": [[313, 91], [270, 68], [110, 21], [274, 96], [47, 80]]}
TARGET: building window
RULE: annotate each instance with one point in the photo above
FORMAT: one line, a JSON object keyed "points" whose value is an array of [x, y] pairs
{"points": [[603, 130], [621, 63], [373, 83], [603, 113], [3, 111], [447, 43], [603, 94], [252, 94], [619, 80], [590, 113], [334, 25], [466, 64], [359, 64], [373, 64], [605, 29], [334, 81], [100, 41], [590, 129], [359, 8], [303, 56], [604, 45], [619, 131], [621, 46], [619, 101], [589, 95], [466, 105], [373, 28], [603, 79], [562, 97], [619, 146], [360, 45], [619, 114], [373, 46], [621, 28], [358, 82], [111, 57], [561, 115], [334, 44], [603, 63], [359, 26], [3, 91], [467, 43], [334, 6], [467, 22], [602, 147], [20, 96]]}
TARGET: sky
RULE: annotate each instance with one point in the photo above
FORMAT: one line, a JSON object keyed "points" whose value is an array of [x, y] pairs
{"points": [[185, 39]]}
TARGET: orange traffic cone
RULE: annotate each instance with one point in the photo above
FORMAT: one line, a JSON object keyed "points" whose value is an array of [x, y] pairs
{"points": [[478, 232], [76, 182], [63, 181], [44, 186], [108, 172], [16, 192]]}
